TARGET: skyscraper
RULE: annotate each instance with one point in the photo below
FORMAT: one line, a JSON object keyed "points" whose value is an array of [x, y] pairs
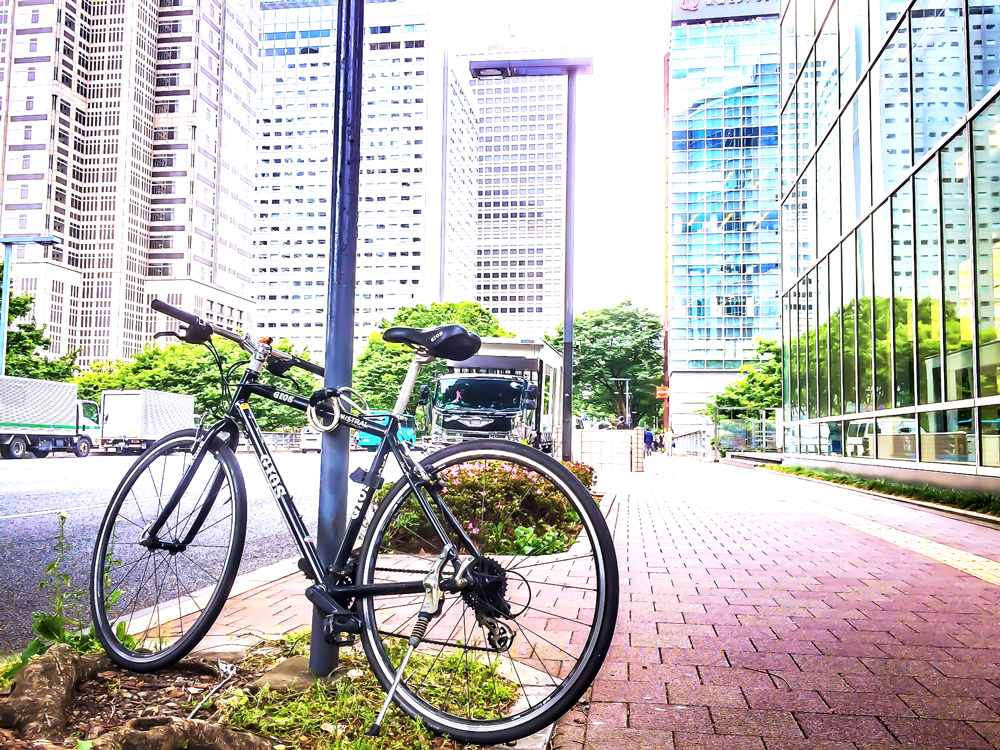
{"points": [[125, 131], [722, 236], [521, 201], [417, 184], [890, 125]]}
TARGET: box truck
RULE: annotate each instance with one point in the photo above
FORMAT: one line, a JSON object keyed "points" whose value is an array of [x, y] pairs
{"points": [[131, 421], [42, 416]]}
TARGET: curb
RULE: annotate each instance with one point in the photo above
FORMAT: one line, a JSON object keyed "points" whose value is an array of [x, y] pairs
{"points": [[969, 516]]}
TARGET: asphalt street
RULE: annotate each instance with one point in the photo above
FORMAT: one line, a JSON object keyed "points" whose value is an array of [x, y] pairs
{"points": [[33, 490]]}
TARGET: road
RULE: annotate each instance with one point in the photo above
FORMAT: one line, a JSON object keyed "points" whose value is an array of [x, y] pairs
{"points": [[33, 490]]}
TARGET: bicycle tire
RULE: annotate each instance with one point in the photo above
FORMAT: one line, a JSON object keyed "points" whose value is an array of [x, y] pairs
{"points": [[491, 731], [117, 633]]}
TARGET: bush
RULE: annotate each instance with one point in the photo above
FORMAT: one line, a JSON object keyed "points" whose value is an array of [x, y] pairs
{"points": [[514, 510]]}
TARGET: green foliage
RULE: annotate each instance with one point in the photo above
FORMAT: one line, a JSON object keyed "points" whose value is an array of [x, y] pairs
{"points": [[527, 542], [381, 367], [519, 501], [64, 623], [328, 716], [27, 345], [759, 388], [980, 502], [183, 368], [623, 341]]}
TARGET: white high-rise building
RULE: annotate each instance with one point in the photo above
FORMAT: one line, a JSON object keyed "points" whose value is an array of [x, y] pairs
{"points": [[521, 203], [125, 127], [416, 214]]}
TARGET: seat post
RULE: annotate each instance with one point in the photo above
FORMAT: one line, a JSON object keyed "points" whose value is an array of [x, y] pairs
{"points": [[406, 390]]}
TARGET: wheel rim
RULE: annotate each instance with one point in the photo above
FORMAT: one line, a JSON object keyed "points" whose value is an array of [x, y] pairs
{"points": [[18, 449], [154, 597], [540, 666]]}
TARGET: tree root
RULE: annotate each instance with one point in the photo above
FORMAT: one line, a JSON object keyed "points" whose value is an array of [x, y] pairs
{"points": [[43, 692], [165, 733]]}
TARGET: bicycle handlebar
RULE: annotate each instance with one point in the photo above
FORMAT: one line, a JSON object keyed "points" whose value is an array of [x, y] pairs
{"points": [[193, 321]]}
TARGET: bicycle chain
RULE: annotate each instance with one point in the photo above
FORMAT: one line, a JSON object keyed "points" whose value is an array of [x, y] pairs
{"points": [[439, 643]]}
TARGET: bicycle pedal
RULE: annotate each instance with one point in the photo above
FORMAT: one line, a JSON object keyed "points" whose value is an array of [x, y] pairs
{"points": [[304, 567], [341, 630]]}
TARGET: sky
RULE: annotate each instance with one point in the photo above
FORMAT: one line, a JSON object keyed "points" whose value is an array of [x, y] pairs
{"points": [[620, 190]]}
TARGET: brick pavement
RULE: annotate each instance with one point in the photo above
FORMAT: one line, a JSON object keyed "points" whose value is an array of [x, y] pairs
{"points": [[757, 613]]}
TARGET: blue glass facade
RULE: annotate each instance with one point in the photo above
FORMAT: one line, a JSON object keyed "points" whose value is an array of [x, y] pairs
{"points": [[723, 181]]}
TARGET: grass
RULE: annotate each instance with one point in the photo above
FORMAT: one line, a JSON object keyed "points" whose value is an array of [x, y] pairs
{"points": [[980, 502], [335, 716]]}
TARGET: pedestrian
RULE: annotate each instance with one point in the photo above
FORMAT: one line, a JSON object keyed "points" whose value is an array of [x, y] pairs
{"points": [[669, 441], [647, 439]]}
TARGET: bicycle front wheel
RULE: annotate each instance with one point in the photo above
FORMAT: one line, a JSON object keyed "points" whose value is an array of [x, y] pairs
{"points": [[519, 645], [153, 600]]}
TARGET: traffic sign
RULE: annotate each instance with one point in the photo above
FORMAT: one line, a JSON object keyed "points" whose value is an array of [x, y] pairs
{"points": [[661, 391]]}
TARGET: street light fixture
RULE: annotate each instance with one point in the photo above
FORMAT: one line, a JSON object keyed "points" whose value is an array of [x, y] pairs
{"points": [[569, 67], [8, 244], [628, 410]]}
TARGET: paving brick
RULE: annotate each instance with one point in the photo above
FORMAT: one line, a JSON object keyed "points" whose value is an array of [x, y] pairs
{"points": [[698, 741], [843, 728], [608, 714], [927, 733], [706, 695], [755, 722], [613, 738], [785, 700], [934, 707], [866, 704], [670, 717]]}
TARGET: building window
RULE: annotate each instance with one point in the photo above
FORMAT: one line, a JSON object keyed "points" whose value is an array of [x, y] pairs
{"points": [[24, 192], [22, 221], [25, 162], [31, 74]]}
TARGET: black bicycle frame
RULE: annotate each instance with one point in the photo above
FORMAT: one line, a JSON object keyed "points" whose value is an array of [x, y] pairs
{"points": [[330, 594]]}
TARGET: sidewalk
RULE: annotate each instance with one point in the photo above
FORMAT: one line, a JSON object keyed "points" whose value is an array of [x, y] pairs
{"points": [[760, 611]]}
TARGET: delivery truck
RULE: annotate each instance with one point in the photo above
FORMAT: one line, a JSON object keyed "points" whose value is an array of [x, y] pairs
{"points": [[133, 420], [39, 417], [506, 391]]}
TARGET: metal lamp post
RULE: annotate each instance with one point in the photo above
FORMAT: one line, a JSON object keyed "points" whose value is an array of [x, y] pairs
{"points": [[8, 245], [568, 67]]}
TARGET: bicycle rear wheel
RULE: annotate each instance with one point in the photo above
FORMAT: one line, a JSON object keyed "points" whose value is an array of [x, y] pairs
{"points": [[521, 643], [152, 603]]}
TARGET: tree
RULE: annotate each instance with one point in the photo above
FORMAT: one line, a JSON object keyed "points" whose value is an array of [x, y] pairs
{"points": [[27, 345], [623, 341], [381, 367], [760, 386], [182, 368]]}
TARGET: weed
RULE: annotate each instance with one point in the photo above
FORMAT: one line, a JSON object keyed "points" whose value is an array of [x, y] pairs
{"points": [[64, 624], [335, 716]]}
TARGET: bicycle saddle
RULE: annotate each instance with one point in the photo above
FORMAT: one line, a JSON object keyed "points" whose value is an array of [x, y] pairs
{"points": [[447, 342]]}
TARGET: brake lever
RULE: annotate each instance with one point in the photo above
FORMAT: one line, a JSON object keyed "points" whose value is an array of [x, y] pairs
{"points": [[166, 333]]}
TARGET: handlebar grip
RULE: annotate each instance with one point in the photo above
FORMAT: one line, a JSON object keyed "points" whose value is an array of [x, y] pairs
{"points": [[174, 312]]}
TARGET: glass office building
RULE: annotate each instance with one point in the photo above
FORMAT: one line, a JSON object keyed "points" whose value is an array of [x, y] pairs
{"points": [[723, 182], [890, 220]]}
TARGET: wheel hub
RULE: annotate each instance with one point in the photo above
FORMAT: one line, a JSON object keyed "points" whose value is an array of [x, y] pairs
{"points": [[486, 588]]}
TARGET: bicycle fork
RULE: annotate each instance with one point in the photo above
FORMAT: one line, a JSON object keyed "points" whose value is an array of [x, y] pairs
{"points": [[431, 608]]}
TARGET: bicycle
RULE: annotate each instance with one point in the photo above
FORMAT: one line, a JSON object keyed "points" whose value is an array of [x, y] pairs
{"points": [[483, 584]]}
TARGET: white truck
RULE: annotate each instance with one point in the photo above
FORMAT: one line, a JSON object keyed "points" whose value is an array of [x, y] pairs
{"points": [[133, 420], [508, 390], [42, 416]]}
